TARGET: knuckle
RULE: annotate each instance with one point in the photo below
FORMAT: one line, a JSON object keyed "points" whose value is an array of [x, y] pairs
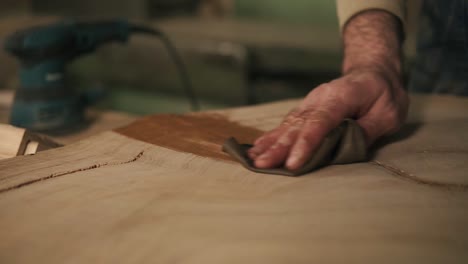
{"points": [[293, 114], [295, 120], [306, 140], [322, 116], [265, 138], [261, 140]]}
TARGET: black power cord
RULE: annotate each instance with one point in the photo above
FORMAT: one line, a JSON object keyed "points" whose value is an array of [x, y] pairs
{"points": [[184, 76]]}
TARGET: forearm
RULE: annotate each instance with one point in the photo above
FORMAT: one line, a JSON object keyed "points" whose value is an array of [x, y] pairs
{"points": [[373, 40]]}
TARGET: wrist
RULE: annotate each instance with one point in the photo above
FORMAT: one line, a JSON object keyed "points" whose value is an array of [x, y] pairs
{"points": [[392, 78], [372, 41], [383, 68], [388, 67]]}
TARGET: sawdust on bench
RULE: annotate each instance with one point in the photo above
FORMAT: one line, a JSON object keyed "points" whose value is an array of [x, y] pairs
{"points": [[199, 134]]}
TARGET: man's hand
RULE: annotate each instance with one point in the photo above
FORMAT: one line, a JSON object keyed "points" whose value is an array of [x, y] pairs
{"points": [[367, 96], [370, 91]]}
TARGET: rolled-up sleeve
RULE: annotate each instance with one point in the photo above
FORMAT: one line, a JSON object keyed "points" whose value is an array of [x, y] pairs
{"points": [[346, 9]]}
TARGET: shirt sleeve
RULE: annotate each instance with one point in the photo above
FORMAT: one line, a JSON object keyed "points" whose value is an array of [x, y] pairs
{"points": [[346, 9]]}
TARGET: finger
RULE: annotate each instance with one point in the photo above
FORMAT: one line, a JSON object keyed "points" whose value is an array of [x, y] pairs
{"points": [[263, 143], [311, 136], [277, 153]]}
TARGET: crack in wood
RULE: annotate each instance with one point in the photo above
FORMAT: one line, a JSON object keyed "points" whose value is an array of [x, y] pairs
{"points": [[389, 168], [60, 174], [411, 177]]}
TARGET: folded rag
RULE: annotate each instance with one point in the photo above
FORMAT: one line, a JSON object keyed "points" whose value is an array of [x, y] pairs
{"points": [[344, 144]]}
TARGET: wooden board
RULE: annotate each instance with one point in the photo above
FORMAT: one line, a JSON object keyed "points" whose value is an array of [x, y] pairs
{"points": [[18, 141], [115, 199], [12, 137]]}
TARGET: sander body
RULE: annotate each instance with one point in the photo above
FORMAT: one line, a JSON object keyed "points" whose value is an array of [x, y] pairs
{"points": [[44, 101]]}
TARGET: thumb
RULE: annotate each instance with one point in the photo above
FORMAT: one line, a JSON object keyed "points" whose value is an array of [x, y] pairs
{"points": [[376, 126]]}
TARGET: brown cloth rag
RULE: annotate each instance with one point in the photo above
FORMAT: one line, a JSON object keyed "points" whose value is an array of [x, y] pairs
{"points": [[344, 144]]}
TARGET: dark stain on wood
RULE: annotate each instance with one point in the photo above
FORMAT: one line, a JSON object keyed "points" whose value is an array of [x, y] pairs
{"points": [[199, 134]]}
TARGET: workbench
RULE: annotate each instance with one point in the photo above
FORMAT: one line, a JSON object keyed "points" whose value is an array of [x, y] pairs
{"points": [[161, 191]]}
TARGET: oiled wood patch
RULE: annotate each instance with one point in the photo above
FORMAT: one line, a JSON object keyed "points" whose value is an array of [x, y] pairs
{"points": [[200, 134]]}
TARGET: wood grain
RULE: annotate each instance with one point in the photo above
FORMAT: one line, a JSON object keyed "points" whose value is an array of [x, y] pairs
{"points": [[114, 199]]}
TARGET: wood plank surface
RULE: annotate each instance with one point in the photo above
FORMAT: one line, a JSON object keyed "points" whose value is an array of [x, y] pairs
{"points": [[11, 138], [17, 141], [115, 199]]}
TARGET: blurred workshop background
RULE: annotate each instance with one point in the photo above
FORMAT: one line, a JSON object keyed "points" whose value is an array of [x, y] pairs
{"points": [[238, 52]]}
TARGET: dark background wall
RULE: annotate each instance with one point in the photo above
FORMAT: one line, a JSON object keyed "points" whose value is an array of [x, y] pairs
{"points": [[237, 51]]}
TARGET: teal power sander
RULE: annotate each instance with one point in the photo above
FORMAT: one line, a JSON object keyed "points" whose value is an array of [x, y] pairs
{"points": [[44, 101]]}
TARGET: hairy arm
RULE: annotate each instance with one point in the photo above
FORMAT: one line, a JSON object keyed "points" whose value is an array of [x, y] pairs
{"points": [[369, 91], [373, 39]]}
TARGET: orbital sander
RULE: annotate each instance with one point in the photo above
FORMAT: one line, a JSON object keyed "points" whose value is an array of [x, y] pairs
{"points": [[44, 101]]}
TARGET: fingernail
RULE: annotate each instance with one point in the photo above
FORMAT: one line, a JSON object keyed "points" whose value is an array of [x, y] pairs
{"points": [[263, 157], [261, 163], [292, 161], [252, 151], [252, 155]]}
